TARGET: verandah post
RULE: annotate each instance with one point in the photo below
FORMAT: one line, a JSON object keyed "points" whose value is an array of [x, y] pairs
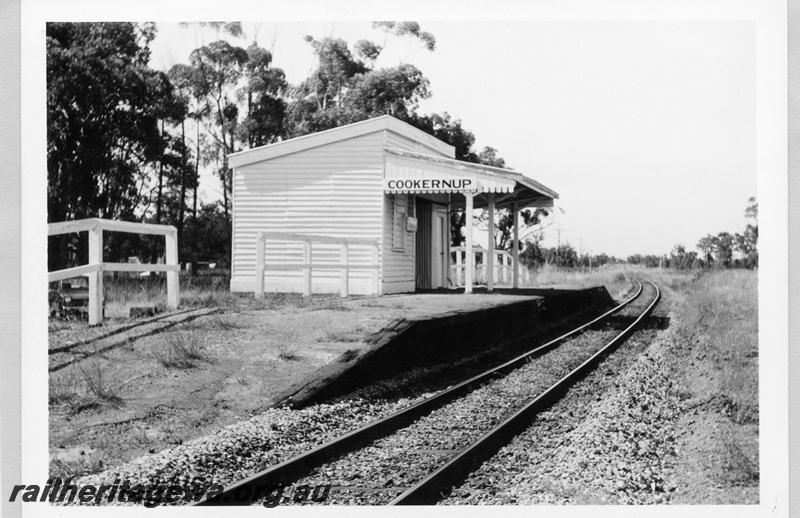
{"points": [[515, 246], [470, 258], [490, 258]]}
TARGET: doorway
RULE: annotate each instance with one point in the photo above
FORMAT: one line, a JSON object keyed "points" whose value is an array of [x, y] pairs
{"points": [[431, 245], [439, 249]]}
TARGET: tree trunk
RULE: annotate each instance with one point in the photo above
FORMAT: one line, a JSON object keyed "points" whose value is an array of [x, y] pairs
{"points": [[160, 178], [224, 193], [182, 206], [196, 173]]}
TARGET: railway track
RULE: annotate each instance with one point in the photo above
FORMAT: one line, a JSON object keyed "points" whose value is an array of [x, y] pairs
{"points": [[415, 455]]}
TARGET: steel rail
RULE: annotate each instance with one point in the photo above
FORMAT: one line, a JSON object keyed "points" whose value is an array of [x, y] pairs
{"points": [[430, 489], [299, 465]]}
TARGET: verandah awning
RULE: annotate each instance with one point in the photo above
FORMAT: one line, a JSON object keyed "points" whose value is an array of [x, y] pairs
{"points": [[416, 173]]}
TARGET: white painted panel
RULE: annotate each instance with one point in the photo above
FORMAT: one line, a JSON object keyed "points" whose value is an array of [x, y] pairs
{"points": [[333, 190]]}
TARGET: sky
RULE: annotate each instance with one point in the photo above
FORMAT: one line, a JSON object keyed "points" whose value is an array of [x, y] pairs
{"points": [[646, 129]]}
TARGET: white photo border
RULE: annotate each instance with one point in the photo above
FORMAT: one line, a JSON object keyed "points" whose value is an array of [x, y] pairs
{"points": [[771, 22]]}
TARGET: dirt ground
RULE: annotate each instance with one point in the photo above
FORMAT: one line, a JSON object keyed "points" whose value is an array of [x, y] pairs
{"points": [[133, 387]]}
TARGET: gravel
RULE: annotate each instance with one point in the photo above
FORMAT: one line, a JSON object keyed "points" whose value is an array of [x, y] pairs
{"points": [[381, 471], [241, 449], [610, 440], [377, 473]]}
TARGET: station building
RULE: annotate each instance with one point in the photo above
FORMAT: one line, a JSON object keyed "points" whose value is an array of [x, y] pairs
{"points": [[371, 199]]}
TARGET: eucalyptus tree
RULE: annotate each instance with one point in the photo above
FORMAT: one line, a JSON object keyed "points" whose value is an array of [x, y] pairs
{"points": [[723, 249], [264, 89], [347, 87], [183, 80], [747, 241], [104, 105], [218, 68], [706, 245]]}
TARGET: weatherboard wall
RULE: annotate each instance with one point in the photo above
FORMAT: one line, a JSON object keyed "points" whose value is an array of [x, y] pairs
{"points": [[334, 189]]}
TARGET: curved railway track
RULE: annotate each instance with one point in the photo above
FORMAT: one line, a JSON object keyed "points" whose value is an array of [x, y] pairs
{"points": [[416, 454]]}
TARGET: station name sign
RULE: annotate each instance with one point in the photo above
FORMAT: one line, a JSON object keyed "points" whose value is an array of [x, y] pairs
{"points": [[428, 184]]}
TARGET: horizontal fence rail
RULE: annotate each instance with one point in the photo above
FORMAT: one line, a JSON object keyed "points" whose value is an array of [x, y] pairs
{"points": [[308, 265], [96, 266], [502, 269]]}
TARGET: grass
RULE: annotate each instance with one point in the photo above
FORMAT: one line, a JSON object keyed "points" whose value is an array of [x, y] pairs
{"points": [[97, 383], [737, 466], [219, 322], [85, 388], [616, 278], [714, 362], [62, 389], [335, 305], [289, 351], [121, 292], [354, 335], [724, 320], [178, 350]]}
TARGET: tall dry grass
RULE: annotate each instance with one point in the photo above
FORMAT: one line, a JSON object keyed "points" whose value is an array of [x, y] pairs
{"points": [[617, 278], [180, 350], [204, 291], [722, 313]]}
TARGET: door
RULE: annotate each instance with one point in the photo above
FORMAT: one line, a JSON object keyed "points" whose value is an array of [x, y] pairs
{"points": [[438, 250]]}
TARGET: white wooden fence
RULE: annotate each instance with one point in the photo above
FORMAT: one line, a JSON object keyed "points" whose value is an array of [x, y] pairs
{"points": [[96, 266], [503, 267], [308, 263]]}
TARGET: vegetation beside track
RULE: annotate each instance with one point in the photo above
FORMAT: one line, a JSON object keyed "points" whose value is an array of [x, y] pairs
{"points": [[715, 362], [671, 417]]}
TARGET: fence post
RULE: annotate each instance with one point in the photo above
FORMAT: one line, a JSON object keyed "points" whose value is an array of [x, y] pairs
{"points": [[259, 265], [307, 269], [345, 290], [96, 277], [171, 249]]}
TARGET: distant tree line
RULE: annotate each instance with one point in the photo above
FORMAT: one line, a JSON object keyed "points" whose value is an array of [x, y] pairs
{"points": [[723, 250], [125, 141], [534, 255]]}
